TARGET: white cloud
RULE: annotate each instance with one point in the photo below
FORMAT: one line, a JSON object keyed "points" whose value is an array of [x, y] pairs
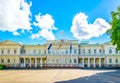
{"points": [[46, 25], [82, 30], [14, 15], [16, 33]]}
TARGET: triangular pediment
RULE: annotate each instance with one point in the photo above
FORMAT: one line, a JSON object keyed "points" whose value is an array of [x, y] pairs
{"points": [[8, 42]]}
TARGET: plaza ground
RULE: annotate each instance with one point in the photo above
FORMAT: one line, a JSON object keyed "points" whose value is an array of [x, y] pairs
{"points": [[60, 76]]}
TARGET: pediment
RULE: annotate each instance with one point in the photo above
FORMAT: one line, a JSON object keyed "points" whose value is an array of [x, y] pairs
{"points": [[8, 42]]}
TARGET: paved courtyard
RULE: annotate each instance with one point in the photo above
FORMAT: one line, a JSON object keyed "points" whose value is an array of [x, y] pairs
{"points": [[60, 76]]}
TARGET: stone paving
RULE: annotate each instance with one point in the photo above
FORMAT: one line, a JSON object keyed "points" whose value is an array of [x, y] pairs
{"points": [[60, 76]]}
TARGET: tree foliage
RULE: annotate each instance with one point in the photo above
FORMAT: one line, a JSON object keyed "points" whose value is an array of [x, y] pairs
{"points": [[114, 32]]}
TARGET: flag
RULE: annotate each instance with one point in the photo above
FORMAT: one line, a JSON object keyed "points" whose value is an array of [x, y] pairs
{"points": [[59, 46], [70, 48], [49, 46]]}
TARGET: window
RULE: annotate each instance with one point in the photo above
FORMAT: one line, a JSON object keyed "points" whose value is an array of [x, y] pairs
{"points": [[103, 51], [79, 51], [8, 60], [110, 51], [83, 51], [75, 51], [2, 60], [66, 52], [34, 51], [70, 61], [116, 51], [100, 51], [89, 51], [8, 52], [116, 60], [94, 50], [110, 60], [75, 61], [49, 51], [24, 51], [44, 51], [15, 51], [39, 51], [2, 51]]}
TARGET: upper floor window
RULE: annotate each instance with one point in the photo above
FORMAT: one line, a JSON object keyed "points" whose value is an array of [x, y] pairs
{"points": [[116, 60], [75, 51], [89, 51], [84, 51], [24, 51], [15, 51], [100, 50], [103, 51], [2, 51], [94, 50], [49, 52], [116, 51], [8, 52], [66, 52], [110, 60], [110, 51], [44, 51], [79, 51], [34, 51], [39, 51]]}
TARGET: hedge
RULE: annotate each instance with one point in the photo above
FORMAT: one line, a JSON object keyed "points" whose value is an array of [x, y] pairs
{"points": [[2, 67]]}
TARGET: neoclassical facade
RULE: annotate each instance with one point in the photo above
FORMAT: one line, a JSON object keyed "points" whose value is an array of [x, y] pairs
{"points": [[59, 53]]}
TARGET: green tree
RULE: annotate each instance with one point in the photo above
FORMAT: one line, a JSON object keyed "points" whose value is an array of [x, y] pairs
{"points": [[114, 32]]}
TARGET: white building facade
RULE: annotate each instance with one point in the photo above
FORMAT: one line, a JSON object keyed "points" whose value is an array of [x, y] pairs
{"points": [[59, 53]]}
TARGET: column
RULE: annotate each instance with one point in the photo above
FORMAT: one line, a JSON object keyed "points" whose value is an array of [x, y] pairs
{"points": [[99, 62], [88, 62], [35, 62], [30, 62], [83, 62], [24, 62], [94, 63], [41, 63]]}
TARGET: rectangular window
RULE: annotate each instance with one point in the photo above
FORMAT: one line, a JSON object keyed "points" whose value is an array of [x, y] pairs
{"points": [[79, 51], [2, 60], [89, 51], [49, 52], [66, 52], [75, 61], [110, 51], [116, 60], [15, 51], [83, 51], [8, 52], [34, 51], [2, 51], [94, 50], [8, 60], [75, 51], [110, 60], [116, 51], [100, 51]]}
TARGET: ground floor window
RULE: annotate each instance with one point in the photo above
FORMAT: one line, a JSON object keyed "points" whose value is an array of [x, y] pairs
{"points": [[75, 61], [2, 60]]}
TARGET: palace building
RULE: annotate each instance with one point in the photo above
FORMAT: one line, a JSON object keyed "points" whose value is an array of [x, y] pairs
{"points": [[59, 53]]}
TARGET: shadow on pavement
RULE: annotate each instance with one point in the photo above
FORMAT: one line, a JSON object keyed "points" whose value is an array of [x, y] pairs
{"points": [[104, 77]]}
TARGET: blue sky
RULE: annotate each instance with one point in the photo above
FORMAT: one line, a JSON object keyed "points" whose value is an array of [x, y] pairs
{"points": [[35, 21]]}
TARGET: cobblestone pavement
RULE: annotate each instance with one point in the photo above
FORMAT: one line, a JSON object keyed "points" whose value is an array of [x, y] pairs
{"points": [[60, 76]]}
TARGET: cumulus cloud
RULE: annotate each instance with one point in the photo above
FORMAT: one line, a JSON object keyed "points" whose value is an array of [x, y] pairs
{"points": [[82, 30], [14, 15], [46, 25]]}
